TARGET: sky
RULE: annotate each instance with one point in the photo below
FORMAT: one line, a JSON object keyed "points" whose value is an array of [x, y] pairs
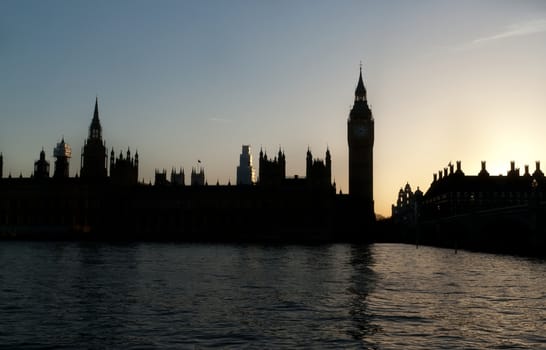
{"points": [[188, 81]]}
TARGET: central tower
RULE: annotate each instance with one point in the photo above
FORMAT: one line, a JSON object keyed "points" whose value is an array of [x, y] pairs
{"points": [[94, 157], [360, 136]]}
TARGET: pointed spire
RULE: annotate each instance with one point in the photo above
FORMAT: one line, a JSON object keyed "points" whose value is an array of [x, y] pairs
{"points": [[360, 92], [96, 113], [95, 129], [360, 109]]}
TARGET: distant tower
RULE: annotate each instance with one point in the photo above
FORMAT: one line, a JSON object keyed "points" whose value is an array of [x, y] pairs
{"points": [[62, 153], [41, 167], [272, 171], [538, 173], [124, 171], [94, 157], [197, 176], [360, 136], [177, 178], [161, 178], [318, 172], [246, 175]]}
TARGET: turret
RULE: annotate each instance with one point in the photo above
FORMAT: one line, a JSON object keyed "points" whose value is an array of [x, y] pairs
{"points": [[537, 173], [112, 161], [41, 167], [272, 171], [513, 171], [318, 172], [483, 171], [197, 177], [459, 170], [308, 161], [328, 162], [124, 171], [177, 178]]}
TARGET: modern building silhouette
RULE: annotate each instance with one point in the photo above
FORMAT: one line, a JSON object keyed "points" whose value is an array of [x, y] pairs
{"points": [[246, 174], [62, 153]]}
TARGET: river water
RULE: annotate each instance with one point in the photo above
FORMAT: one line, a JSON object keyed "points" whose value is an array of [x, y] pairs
{"points": [[66, 295]]}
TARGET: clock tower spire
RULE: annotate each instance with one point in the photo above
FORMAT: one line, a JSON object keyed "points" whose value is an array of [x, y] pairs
{"points": [[360, 136], [94, 156]]}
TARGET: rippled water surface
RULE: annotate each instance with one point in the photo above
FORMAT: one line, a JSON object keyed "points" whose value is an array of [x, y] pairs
{"points": [[84, 295]]}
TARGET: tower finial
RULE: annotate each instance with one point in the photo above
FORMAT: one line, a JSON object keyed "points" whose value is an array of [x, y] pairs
{"points": [[360, 92], [96, 112], [95, 129]]}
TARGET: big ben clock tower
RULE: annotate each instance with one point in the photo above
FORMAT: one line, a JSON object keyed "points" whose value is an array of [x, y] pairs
{"points": [[360, 135]]}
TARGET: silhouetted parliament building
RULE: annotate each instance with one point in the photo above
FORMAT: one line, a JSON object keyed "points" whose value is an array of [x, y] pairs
{"points": [[106, 201]]}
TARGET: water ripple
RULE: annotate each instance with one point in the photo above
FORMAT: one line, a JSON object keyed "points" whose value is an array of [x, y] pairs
{"points": [[191, 296]]}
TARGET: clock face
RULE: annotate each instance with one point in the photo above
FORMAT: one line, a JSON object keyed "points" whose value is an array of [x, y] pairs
{"points": [[360, 130]]}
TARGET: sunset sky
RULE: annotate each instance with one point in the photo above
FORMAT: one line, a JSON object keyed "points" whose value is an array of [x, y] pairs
{"points": [[182, 81]]}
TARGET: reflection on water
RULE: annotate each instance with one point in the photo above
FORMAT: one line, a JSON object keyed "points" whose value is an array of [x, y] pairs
{"points": [[70, 295]]}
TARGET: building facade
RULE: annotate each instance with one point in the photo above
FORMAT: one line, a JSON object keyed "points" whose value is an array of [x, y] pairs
{"points": [[453, 193], [408, 205]]}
